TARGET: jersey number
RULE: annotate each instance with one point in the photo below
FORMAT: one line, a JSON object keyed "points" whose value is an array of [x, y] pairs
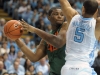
{"points": [[79, 36]]}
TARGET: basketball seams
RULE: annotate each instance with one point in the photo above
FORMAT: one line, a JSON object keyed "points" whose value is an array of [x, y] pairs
{"points": [[13, 30], [10, 26]]}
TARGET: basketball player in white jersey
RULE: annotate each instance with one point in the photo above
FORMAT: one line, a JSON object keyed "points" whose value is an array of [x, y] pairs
{"points": [[80, 38]]}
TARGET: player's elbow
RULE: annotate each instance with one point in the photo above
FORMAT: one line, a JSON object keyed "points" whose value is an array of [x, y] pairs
{"points": [[33, 60]]}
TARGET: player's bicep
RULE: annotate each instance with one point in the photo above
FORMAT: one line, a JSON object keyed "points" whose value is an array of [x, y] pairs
{"points": [[40, 50]]}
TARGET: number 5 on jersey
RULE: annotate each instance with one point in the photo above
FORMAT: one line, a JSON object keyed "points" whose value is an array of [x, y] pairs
{"points": [[79, 35]]}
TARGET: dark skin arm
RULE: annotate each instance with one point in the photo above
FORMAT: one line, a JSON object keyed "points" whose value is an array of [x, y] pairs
{"points": [[57, 41], [40, 51]]}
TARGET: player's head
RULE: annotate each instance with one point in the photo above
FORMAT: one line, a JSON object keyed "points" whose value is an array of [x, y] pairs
{"points": [[55, 16], [89, 7]]}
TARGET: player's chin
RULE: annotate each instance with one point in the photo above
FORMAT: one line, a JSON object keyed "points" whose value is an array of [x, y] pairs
{"points": [[59, 23]]}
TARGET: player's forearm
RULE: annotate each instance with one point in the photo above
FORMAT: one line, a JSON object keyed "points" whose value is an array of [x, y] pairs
{"points": [[50, 38], [68, 11], [64, 3], [26, 50]]}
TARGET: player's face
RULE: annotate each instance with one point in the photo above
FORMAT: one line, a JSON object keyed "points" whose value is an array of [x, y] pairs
{"points": [[57, 17]]}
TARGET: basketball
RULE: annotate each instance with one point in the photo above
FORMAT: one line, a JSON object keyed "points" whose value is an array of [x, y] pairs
{"points": [[12, 29]]}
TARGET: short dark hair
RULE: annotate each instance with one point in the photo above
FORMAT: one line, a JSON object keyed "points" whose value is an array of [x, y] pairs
{"points": [[90, 6], [51, 10]]}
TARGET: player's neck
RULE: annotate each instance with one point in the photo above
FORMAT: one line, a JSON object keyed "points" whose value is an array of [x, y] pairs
{"points": [[54, 28], [87, 16]]}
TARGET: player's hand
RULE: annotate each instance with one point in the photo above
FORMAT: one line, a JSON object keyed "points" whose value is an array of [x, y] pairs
{"points": [[25, 26]]}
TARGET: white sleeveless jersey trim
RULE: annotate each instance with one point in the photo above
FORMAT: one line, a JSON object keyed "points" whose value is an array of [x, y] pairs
{"points": [[81, 41]]}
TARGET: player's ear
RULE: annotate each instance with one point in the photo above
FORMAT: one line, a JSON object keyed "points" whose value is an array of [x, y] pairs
{"points": [[96, 11], [83, 10], [96, 14]]}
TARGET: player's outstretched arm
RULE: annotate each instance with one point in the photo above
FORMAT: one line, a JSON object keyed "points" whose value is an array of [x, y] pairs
{"points": [[40, 51], [57, 41], [68, 11]]}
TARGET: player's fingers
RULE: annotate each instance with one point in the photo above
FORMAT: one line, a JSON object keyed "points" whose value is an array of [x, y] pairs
{"points": [[23, 21], [20, 23], [23, 28], [23, 24]]}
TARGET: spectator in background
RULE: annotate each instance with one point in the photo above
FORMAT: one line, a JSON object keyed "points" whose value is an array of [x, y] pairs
{"points": [[27, 64], [4, 48], [12, 54], [75, 7], [15, 12], [19, 56], [33, 4], [33, 18], [27, 14], [43, 67], [2, 70], [45, 19], [79, 4], [22, 9], [12, 5], [16, 68], [27, 41], [33, 47], [2, 23], [39, 24], [7, 63], [31, 69], [10, 42], [39, 6], [96, 64]]}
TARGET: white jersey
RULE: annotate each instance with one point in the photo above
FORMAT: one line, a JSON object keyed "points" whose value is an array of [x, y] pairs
{"points": [[81, 41]]}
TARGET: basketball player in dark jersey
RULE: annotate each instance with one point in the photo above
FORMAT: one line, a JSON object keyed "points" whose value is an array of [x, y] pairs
{"points": [[52, 44]]}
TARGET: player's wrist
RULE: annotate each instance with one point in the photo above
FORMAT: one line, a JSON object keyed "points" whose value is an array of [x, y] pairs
{"points": [[19, 43], [31, 28]]}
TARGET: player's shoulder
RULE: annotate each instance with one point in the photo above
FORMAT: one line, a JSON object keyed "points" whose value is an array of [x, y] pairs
{"points": [[77, 16]]}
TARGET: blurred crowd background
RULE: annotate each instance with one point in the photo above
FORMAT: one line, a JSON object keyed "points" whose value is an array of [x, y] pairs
{"points": [[33, 12]]}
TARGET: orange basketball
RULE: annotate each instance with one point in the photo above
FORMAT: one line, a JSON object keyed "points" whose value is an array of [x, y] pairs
{"points": [[12, 29]]}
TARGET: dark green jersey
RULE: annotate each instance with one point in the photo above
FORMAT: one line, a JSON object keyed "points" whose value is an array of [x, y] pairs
{"points": [[56, 57]]}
